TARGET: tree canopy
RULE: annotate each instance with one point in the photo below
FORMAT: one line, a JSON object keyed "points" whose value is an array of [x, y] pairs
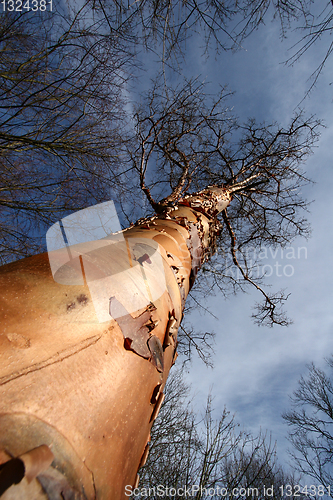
{"points": [[60, 123], [310, 422]]}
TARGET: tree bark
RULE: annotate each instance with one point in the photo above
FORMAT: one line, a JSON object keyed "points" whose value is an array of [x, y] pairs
{"points": [[89, 388]]}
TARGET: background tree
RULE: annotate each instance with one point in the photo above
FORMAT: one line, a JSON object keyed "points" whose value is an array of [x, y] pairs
{"points": [[164, 27], [314, 22], [61, 132], [311, 424], [210, 453]]}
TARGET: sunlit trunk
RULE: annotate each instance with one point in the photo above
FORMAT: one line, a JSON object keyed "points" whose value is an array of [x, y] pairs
{"points": [[86, 380]]}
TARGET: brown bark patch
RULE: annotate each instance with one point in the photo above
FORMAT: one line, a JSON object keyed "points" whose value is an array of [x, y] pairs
{"points": [[18, 340]]}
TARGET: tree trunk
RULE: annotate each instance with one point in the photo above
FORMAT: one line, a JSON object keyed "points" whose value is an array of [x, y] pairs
{"points": [[88, 381]]}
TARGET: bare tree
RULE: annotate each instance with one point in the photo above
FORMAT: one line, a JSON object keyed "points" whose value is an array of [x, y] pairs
{"points": [[259, 171], [185, 142], [164, 27], [311, 424], [60, 123], [314, 22], [206, 457], [99, 447]]}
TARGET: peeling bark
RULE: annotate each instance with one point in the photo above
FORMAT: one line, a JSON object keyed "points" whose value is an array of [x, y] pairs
{"points": [[89, 389]]}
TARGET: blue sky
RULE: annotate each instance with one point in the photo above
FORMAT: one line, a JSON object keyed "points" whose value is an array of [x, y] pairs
{"points": [[256, 368]]}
